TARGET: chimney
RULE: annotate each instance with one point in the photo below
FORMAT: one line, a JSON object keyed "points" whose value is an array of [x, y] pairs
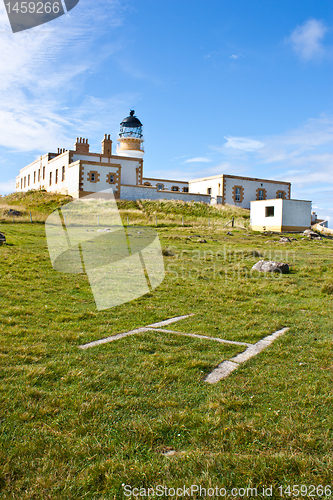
{"points": [[81, 145], [107, 145]]}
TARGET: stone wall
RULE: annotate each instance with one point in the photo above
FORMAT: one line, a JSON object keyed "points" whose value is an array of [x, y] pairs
{"points": [[151, 193]]}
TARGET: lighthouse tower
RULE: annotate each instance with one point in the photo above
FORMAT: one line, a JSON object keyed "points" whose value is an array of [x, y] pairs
{"points": [[130, 139]]}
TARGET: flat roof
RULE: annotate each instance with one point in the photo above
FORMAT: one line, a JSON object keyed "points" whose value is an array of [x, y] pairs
{"points": [[278, 199], [229, 176]]}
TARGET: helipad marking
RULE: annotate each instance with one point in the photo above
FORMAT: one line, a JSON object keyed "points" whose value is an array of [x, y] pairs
{"points": [[226, 367], [133, 332], [223, 369], [223, 341], [112, 337], [169, 321]]}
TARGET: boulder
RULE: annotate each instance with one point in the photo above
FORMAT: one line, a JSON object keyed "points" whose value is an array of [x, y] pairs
{"points": [[269, 266], [2, 238], [285, 239], [312, 235], [167, 253], [14, 212]]}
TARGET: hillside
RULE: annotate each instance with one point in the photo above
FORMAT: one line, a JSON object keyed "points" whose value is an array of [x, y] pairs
{"points": [[38, 202], [81, 423], [41, 203]]}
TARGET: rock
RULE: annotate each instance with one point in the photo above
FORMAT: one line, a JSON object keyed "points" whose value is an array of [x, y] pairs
{"points": [[2, 238], [202, 241], [269, 266], [167, 253], [229, 233], [285, 239], [312, 235], [14, 212]]}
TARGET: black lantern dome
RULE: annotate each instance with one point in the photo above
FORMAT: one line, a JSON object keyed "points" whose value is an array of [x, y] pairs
{"points": [[131, 126]]}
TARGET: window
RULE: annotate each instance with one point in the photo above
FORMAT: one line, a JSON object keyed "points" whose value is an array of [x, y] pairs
{"points": [[238, 194], [38, 175], [56, 176], [34, 177], [269, 212], [160, 186], [21, 183], [110, 178], [29, 180], [50, 178], [93, 176], [280, 195], [209, 191], [261, 194], [25, 181], [43, 173], [185, 190], [63, 173], [175, 188]]}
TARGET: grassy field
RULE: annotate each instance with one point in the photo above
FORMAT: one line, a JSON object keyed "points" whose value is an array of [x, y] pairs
{"points": [[82, 424]]}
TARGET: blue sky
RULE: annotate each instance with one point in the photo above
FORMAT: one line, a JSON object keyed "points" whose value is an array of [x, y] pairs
{"points": [[241, 86]]}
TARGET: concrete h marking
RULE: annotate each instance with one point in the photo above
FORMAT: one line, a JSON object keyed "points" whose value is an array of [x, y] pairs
{"points": [[223, 369]]}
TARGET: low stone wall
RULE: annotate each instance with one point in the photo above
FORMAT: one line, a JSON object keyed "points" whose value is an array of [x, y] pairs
{"points": [[152, 193], [322, 229], [216, 200]]}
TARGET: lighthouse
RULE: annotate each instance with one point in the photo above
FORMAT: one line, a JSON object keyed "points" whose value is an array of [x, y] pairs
{"points": [[130, 139]]}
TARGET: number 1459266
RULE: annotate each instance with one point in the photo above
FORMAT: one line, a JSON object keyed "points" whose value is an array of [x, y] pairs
{"points": [[303, 490], [34, 7]]}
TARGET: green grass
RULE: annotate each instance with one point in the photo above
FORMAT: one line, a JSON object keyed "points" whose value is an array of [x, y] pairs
{"points": [[37, 202], [77, 424]]}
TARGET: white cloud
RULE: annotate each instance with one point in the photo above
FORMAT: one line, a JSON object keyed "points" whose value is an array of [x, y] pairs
{"points": [[179, 157], [225, 167], [306, 40], [243, 143], [7, 186], [42, 69], [302, 156], [233, 56], [198, 159]]}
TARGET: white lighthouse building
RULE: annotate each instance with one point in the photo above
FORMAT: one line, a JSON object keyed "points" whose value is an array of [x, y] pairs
{"points": [[79, 172], [130, 139]]}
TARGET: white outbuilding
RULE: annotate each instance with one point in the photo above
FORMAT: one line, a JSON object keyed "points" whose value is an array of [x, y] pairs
{"points": [[280, 215]]}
